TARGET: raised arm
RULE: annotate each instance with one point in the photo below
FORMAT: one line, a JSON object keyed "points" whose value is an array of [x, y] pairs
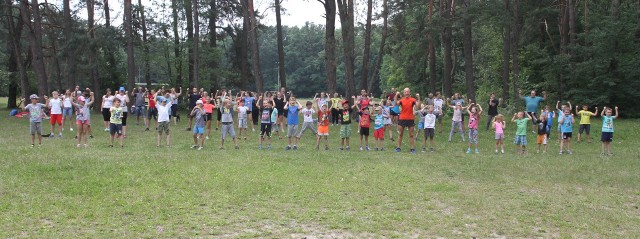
{"points": [[529, 116], [558, 105], [603, 110], [479, 109], [544, 95], [569, 103], [596, 113], [616, 116], [576, 109], [520, 94], [514, 117]]}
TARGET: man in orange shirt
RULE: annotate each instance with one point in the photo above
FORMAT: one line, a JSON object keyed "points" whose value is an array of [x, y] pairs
{"points": [[406, 119]]}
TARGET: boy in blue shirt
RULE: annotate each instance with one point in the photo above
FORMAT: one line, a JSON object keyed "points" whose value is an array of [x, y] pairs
{"points": [[607, 130], [293, 109], [566, 122]]}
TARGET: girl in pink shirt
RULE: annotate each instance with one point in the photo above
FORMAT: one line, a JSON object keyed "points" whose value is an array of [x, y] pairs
{"points": [[499, 125]]}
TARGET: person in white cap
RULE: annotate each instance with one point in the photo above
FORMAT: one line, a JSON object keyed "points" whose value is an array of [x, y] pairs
{"points": [[82, 118], [198, 114], [124, 101], [35, 118]]}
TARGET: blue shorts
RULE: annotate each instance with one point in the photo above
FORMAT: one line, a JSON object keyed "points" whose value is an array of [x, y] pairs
{"points": [[420, 125], [521, 140], [607, 137], [67, 112], [198, 130]]}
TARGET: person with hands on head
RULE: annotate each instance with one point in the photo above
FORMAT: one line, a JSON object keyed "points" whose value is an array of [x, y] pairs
{"points": [[406, 119], [199, 116], [36, 113], [521, 132], [123, 96], [585, 121], [560, 113], [492, 111], [566, 121], [266, 109], [82, 105], [293, 109], [531, 102], [474, 110], [607, 130]]}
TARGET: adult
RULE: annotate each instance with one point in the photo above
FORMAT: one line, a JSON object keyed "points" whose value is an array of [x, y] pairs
{"points": [[123, 96], [279, 101], [335, 108], [173, 95], [194, 96], [153, 111], [438, 109], [363, 99], [249, 101], [493, 108], [406, 117], [107, 102], [139, 108], [67, 111], [430, 99], [531, 103], [395, 109]]}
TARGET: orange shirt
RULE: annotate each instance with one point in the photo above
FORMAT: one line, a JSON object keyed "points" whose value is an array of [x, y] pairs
{"points": [[407, 103], [208, 108]]}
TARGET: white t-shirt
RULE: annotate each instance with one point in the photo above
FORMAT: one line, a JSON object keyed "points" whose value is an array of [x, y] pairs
{"points": [[174, 99], [67, 102], [242, 112], [437, 105], [308, 114], [430, 121], [123, 103], [163, 112], [56, 106], [107, 101]]}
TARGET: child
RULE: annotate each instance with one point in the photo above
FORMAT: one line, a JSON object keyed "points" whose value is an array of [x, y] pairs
{"points": [[115, 122], [243, 112], [208, 109], [35, 118], [560, 114], [386, 115], [227, 123], [499, 125], [456, 121], [82, 118], [585, 121], [430, 118], [265, 118], [124, 99], [420, 120], [549, 116], [67, 111], [474, 110], [292, 121], [199, 116], [55, 105], [365, 124], [307, 115], [345, 124], [152, 113], [567, 122], [521, 132], [164, 119], [438, 102], [323, 127], [607, 130], [275, 119], [542, 132], [378, 128]]}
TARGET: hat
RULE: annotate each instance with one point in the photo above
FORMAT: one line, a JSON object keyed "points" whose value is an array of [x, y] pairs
{"points": [[458, 103], [81, 98], [34, 96], [345, 102], [161, 99], [199, 102], [121, 88]]}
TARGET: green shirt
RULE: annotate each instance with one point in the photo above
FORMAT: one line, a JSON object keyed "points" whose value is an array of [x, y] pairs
{"points": [[116, 115], [522, 126]]}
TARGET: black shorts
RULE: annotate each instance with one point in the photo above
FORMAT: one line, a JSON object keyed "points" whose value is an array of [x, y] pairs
{"points": [[280, 112], [124, 118], [153, 112], [534, 116], [115, 129], [265, 129], [585, 127], [393, 113], [429, 133], [208, 117], [607, 137], [406, 123], [364, 131], [106, 114], [174, 110], [219, 115], [567, 135]]}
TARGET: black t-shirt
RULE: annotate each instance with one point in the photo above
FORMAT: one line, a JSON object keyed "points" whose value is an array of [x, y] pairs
{"points": [[193, 98], [493, 107], [279, 104], [345, 116], [542, 127]]}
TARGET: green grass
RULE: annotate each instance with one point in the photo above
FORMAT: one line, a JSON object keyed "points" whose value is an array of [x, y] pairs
{"points": [[59, 191]]}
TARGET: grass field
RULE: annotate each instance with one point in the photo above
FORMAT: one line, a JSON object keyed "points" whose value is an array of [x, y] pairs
{"points": [[59, 191]]}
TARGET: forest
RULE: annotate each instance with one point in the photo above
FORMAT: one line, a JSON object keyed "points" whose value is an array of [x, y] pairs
{"points": [[583, 51]]}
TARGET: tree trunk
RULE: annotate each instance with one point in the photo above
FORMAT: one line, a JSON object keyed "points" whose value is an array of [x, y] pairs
{"points": [[432, 53], [515, 55], [112, 66], [614, 8], [35, 43], [330, 44], [252, 40], [15, 64], [381, 51], [131, 65], [55, 64], [145, 46], [69, 48], [367, 47], [93, 53], [188, 12], [506, 47], [282, 78], [196, 44], [176, 41], [447, 80], [468, 52], [346, 13], [213, 62]]}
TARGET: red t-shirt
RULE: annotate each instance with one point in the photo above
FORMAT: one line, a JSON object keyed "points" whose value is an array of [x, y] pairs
{"points": [[365, 120], [407, 103], [364, 102], [152, 102], [323, 118]]}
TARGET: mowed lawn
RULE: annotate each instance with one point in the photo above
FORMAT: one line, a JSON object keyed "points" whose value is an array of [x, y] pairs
{"points": [[60, 191]]}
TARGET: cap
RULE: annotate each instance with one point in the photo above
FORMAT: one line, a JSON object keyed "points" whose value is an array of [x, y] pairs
{"points": [[199, 102], [81, 98], [33, 96], [121, 88], [161, 99], [345, 102]]}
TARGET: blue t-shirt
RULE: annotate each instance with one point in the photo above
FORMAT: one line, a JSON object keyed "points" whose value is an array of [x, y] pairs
{"points": [[550, 116], [378, 123], [274, 115], [567, 125], [395, 108], [607, 124], [248, 101], [532, 103], [292, 112]]}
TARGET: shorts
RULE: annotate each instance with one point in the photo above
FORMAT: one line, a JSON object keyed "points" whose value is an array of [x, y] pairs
{"points": [[164, 127], [242, 123], [140, 111], [534, 115], [406, 123], [387, 121], [323, 130], [607, 137], [567, 135], [174, 110], [393, 113], [345, 131], [499, 136], [219, 115], [280, 112], [585, 127], [521, 140], [473, 136], [198, 130], [152, 112], [378, 133], [429, 133], [274, 127], [67, 112], [548, 129], [124, 118], [265, 129], [106, 114], [227, 129], [115, 129], [56, 119], [208, 117], [292, 129], [82, 122], [421, 125], [364, 131], [35, 128], [542, 139]]}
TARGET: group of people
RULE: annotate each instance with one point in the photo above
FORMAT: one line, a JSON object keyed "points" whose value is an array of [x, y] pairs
{"points": [[272, 111]]}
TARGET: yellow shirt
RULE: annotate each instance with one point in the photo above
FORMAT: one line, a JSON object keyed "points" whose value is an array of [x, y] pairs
{"points": [[335, 103], [585, 116]]}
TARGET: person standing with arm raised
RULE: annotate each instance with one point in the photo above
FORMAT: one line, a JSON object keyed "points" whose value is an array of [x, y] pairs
{"points": [[531, 102]]}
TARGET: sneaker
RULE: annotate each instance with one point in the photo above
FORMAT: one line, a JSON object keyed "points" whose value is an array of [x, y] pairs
{"points": [[147, 129], [260, 147], [199, 148], [33, 145], [111, 146], [424, 150], [503, 151], [477, 151], [194, 146], [60, 135], [105, 129], [569, 151], [381, 149], [393, 140], [413, 151], [76, 137], [348, 148], [367, 148], [496, 151], [341, 148], [295, 147], [375, 149], [52, 135], [237, 147], [432, 150], [610, 154], [560, 152], [71, 129], [469, 150], [397, 150], [269, 147], [189, 129], [85, 145], [326, 147], [361, 148], [538, 151], [91, 136], [78, 146], [317, 147], [207, 138], [287, 148], [254, 130]]}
